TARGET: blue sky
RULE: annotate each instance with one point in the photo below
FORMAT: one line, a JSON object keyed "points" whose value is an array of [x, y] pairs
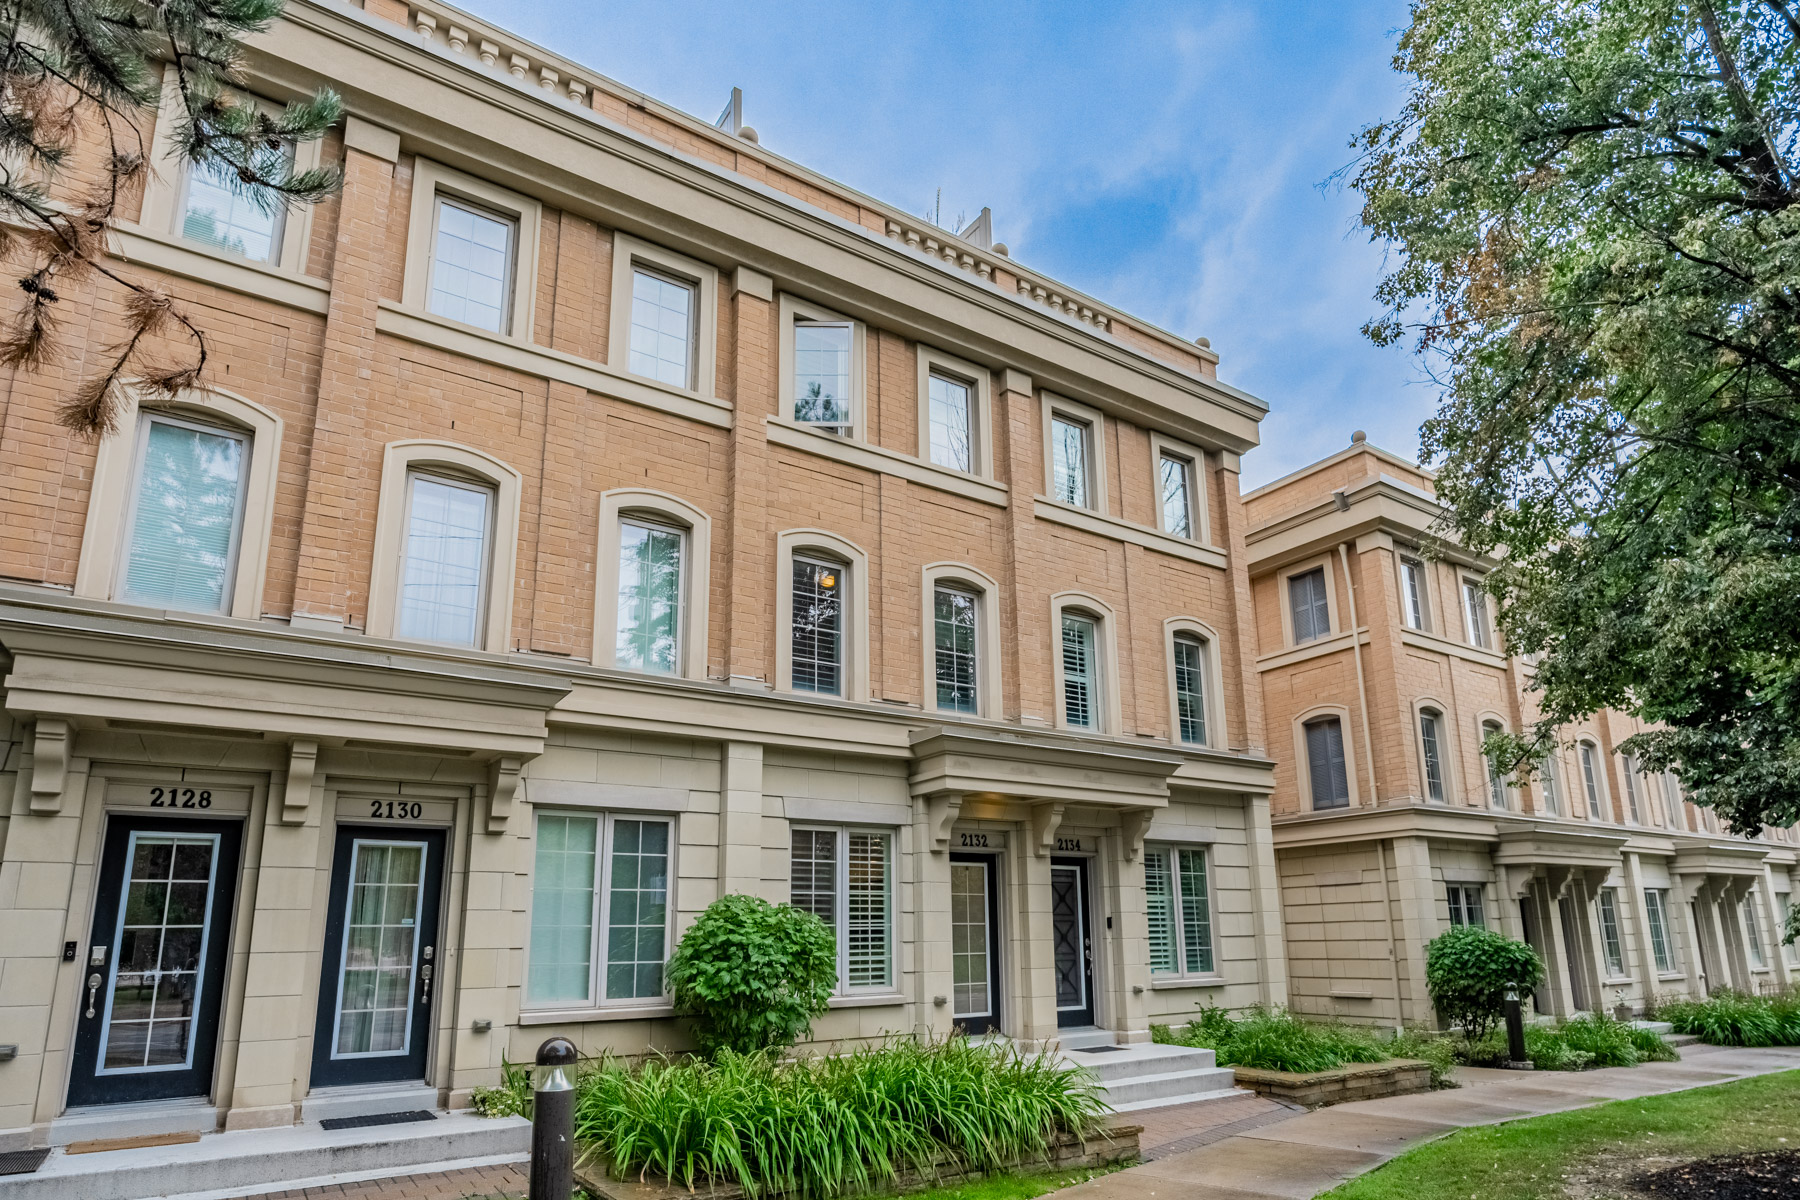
{"points": [[1170, 158]]}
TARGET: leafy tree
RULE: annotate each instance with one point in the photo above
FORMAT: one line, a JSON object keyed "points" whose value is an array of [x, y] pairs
{"points": [[86, 77], [1595, 209], [1469, 969], [753, 974]]}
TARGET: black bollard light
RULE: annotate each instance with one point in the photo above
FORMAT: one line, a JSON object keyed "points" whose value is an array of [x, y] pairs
{"points": [[553, 1121], [1515, 1031]]}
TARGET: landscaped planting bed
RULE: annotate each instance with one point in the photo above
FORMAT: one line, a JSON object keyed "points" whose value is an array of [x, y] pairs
{"points": [[1728, 1018]]}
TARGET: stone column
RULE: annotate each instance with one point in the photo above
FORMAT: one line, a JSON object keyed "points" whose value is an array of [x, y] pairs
{"points": [[1032, 1002], [1771, 914], [1416, 900], [1555, 950], [1121, 952], [1639, 921], [740, 819], [1248, 697], [491, 948], [1682, 935], [1265, 901], [930, 950]]}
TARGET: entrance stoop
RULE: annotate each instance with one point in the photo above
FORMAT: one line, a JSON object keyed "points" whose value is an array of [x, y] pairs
{"points": [[1147, 1075], [251, 1161]]}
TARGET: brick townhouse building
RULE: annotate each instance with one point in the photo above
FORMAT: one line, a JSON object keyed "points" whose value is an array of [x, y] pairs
{"points": [[1381, 673], [589, 513]]}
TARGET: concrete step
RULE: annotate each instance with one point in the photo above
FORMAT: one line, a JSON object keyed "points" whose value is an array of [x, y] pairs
{"points": [[1221, 1095], [1679, 1040], [1662, 1027], [1148, 1075], [1146, 1058], [1083, 1038], [366, 1101], [148, 1118], [1172, 1087], [245, 1162]]}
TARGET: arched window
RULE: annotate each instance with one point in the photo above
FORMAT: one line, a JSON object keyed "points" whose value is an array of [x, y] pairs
{"points": [[822, 602], [650, 605], [1591, 783], [961, 620], [1496, 779], [1195, 687], [1431, 755], [1085, 664]]}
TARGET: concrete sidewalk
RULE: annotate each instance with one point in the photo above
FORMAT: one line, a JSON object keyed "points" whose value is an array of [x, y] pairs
{"points": [[1298, 1158]]}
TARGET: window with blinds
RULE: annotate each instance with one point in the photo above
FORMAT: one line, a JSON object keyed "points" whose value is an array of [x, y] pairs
{"points": [[1308, 606], [817, 626], [1190, 689], [845, 878], [221, 212], [1081, 676], [600, 894], [1179, 907], [953, 633], [186, 516], [649, 633], [1330, 782]]}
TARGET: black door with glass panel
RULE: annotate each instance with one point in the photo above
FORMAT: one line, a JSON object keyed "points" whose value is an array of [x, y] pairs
{"points": [[381, 964], [975, 942], [1072, 942], [148, 1023]]}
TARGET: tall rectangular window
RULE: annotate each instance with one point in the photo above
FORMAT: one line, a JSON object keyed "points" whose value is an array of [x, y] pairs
{"points": [[472, 266], [1070, 461], [1656, 916], [952, 406], [1309, 606], [822, 358], [1325, 763], [1551, 781], [221, 212], [649, 631], [1753, 932], [1609, 934], [1190, 688], [1628, 767], [1179, 907], [818, 626], [1672, 800], [1081, 672], [1431, 742], [1465, 904], [1590, 778], [443, 578], [664, 318], [845, 878], [1496, 781], [187, 513], [1784, 904], [1177, 478], [1412, 592], [599, 909], [953, 630], [1475, 609]]}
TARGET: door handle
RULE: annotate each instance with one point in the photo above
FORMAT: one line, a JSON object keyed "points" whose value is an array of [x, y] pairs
{"points": [[93, 990], [425, 976]]}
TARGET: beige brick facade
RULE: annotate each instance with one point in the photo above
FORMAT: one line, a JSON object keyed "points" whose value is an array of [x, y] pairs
{"points": [[314, 733]]}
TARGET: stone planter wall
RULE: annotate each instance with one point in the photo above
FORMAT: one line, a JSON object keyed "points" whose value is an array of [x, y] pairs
{"points": [[1358, 1081], [1117, 1143]]}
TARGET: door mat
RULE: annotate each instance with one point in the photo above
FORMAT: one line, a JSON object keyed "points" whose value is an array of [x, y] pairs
{"points": [[97, 1145], [393, 1118], [22, 1162], [1098, 1049]]}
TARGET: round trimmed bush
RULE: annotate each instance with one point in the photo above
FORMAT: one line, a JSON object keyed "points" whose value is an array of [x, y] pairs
{"points": [[1468, 970], [752, 974]]}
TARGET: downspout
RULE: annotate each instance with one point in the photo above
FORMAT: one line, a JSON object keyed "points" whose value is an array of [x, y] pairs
{"points": [[1362, 694]]}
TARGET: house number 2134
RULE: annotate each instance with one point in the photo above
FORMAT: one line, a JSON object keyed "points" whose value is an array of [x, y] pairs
{"points": [[1068, 843]]}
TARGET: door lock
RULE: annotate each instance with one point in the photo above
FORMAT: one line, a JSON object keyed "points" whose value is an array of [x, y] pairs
{"points": [[96, 956]]}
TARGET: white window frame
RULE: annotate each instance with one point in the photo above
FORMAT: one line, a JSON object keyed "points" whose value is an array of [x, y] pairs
{"points": [[1477, 624], [1286, 578], [1108, 718], [1408, 562], [1634, 811], [656, 508], [1674, 807], [1055, 407], [1790, 951], [1608, 901], [988, 637], [1171, 855], [1457, 899], [980, 383], [793, 309], [1759, 956], [484, 589], [1656, 919], [400, 461], [234, 548], [1161, 447], [1551, 785], [107, 527], [602, 905], [841, 902], [631, 254], [1500, 801], [432, 180], [810, 543], [1589, 763], [1212, 682], [1430, 706]]}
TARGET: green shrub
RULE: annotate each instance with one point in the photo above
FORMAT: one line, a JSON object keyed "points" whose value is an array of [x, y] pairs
{"points": [[1731, 1018], [512, 1098], [1468, 971], [1578, 1044], [1429, 1047], [822, 1127], [1275, 1041], [752, 974]]}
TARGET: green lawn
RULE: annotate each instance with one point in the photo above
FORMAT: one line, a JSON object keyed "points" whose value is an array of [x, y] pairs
{"points": [[1589, 1152]]}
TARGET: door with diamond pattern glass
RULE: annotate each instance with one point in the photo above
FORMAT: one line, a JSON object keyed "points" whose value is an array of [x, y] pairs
{"points": [[1072, 942]]}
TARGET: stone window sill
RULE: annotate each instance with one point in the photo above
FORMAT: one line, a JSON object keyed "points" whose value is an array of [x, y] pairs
{"points": [[1187, 981], [868, 1000], [571, 1016]]}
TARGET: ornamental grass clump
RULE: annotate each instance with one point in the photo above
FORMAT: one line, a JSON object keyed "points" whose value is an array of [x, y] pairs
{"points": [[827, 1126], [1732, 1018], [1275, 1040], [1578, 1044]]}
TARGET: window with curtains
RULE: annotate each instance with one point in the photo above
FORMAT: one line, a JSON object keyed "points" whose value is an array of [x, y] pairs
{"points": [[1753, 932], [823, 352], [1496, 780], [1590, 777], [650, 597], [1628, 768], [1308, 605], [472, 265], [1071, 461], [219, 211], [1465, 904], [1475, 610], [599, 909], [187, 515], [1656, 916], [1610, 946], [954, 626], [951, 403], [1412, 592], [1330, 782], [1179, 907], [1190, 688], [1431, 749], [1081, 671], [817, 625], [845, 877], [664, 327], [1177, 479], [444, 569]]}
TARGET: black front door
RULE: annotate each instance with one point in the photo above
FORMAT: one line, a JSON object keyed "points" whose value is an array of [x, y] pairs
{"points": [[381, 961], [155, 969], [1074, 950], [975, 942]]}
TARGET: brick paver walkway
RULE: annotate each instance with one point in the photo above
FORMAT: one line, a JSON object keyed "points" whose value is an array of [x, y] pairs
{"points": [[507, 1179]]}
